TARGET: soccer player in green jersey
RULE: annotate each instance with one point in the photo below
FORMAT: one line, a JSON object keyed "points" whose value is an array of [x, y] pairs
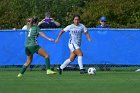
{"points": [[32, 47]]}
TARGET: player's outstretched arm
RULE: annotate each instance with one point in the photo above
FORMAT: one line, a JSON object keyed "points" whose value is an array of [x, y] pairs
{"points": [[59, 35], [43, 35], [88, 36]]}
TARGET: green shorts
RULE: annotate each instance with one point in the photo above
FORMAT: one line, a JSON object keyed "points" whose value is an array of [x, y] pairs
{"points": [[30, 50]]}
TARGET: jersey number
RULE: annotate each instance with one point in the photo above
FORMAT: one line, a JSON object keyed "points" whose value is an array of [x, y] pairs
{"points": [[29, 34]]}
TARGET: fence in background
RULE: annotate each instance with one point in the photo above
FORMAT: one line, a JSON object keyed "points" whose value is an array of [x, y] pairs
{"points": [[108, 46]]}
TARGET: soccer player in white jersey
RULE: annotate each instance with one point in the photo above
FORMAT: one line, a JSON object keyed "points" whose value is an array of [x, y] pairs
{"points": [[75, 30]]}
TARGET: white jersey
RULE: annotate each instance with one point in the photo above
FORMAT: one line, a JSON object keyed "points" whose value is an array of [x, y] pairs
{"points": [[75, 33], [24, 27]]}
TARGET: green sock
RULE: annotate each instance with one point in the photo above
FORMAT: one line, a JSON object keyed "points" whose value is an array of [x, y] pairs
{"points": [[47, 63], [23, 69]]}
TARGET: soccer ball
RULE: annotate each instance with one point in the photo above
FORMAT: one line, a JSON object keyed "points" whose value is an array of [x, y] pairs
{"points": [[91, 71]]}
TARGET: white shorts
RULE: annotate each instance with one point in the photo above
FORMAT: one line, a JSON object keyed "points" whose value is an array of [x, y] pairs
{"points": [[73, 47]]}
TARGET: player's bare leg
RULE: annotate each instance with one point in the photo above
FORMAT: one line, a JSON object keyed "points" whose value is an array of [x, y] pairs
{"points": [[25, 66]]}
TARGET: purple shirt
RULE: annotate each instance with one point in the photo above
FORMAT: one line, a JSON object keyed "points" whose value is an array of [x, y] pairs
{"points": [[47, 20]]}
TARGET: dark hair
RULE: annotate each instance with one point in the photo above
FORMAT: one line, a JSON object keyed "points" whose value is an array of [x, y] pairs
{"points": [[34, 20], [76, 15]]}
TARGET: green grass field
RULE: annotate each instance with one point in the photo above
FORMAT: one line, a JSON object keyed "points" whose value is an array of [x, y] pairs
{"points": [[70, 82]]}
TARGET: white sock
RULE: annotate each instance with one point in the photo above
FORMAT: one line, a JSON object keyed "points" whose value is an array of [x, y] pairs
{"points": [[80, 63], [65, 63]]}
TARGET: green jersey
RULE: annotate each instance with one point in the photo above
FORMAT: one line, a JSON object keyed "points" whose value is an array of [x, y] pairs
{"points": [[32, 35]]}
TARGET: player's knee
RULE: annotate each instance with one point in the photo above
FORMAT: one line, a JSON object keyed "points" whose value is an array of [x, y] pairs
{"points": [[46, 56]]}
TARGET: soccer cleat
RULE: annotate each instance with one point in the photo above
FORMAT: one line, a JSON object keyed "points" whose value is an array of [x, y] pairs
{"points": [[60, 71], [82, 71], [20, 75], [49, 72]]}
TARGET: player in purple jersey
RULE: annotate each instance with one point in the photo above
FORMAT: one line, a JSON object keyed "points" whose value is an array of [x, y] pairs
{"points": [[75, 30]]}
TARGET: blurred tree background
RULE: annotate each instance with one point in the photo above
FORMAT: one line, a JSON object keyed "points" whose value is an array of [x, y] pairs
{"points": [[120, 13]]}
